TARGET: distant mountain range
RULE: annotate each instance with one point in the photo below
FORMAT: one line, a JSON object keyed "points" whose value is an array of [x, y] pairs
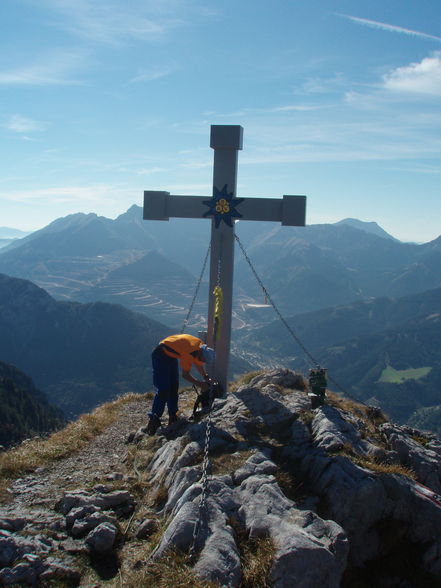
{"points": [[10, 233], [24, 410], [77, 258], [7, 235], [325, 265], [86, 257]]}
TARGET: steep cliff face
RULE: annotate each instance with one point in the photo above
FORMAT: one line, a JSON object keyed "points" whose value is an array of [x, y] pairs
{"points": [[333, 496]]}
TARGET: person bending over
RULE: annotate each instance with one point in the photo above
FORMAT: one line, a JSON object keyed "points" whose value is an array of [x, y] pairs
{"points": [[189, 351]]}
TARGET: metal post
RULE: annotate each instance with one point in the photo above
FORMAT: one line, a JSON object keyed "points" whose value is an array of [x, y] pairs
{"points": [[226, 141]]}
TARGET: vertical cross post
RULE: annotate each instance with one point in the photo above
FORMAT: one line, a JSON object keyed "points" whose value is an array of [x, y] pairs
{"points": [[226, 140]]}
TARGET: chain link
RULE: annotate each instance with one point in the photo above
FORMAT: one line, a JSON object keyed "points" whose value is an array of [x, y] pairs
{"points": [[198, 285]]}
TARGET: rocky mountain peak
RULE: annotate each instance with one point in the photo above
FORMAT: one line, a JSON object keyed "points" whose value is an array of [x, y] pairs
{"points": [[367, 226], [333, 496]]}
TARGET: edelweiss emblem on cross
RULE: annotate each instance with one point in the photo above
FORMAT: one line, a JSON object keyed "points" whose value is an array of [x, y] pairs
{"points": [[223, 206]]}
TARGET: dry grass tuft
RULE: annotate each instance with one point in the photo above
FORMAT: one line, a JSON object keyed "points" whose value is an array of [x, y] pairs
{"points": [[307, 416], [292, 487], [243, 380], [420, 439], [171, 571], [256, 557], [228, 463], [160, 496], [390, 468], [369, 414], [38, 452], [375, 465]]}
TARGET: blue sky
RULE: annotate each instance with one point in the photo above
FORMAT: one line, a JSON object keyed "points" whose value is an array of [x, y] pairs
{"points": [[339, 100]]}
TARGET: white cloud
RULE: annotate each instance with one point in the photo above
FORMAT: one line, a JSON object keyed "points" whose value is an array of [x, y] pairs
{"points": [[22, 124], [417, 78], [52, 69], [151, 170], [196, 164], [151, 75], [59, 194], [390, 28], [295, 108], [111, 22]]}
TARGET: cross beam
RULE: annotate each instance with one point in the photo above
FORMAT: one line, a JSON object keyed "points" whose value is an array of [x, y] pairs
{"points": [[224, 208]]}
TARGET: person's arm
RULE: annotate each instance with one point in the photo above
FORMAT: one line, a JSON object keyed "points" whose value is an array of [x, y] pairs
{"points": [[202, 385], [202, 371]]}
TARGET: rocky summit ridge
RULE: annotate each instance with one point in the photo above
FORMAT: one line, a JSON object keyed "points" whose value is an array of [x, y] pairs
{"points": [[329, 497]]}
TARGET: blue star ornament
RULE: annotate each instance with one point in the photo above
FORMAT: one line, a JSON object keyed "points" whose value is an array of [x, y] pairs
{"points": [[223, 207]]}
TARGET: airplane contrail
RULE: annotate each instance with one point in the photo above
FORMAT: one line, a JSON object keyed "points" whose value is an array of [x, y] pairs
{"points": [[391, 28]]}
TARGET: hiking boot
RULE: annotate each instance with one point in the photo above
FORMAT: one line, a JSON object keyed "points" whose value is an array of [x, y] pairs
{"points": [[154, 424], [172, 418]]}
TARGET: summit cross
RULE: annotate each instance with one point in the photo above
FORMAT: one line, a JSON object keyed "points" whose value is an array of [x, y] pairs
{"points": [[223, 208]]}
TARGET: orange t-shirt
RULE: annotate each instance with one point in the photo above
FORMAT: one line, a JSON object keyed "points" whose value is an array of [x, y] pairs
{"points": [[182, 346]]}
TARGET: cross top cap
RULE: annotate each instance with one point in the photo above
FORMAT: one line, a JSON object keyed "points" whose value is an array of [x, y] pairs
{"points": [[226, 137]]}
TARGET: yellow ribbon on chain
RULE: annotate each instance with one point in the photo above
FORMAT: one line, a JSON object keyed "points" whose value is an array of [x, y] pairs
{"points": [[218, 300]]}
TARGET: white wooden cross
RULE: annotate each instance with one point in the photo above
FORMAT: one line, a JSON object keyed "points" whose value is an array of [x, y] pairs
{"points": [[224, 208]]}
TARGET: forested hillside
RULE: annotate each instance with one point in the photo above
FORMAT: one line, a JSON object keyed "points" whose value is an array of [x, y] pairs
{"points": [[24, 410]]}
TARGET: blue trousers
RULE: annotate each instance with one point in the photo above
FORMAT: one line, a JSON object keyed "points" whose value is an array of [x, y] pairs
{"points": [[166, 381]]}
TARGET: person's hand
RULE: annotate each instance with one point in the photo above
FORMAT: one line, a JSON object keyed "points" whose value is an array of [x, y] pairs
{"points": [[205, 386]]}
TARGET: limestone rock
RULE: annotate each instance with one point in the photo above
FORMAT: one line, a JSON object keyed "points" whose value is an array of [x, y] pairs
{"points": [[57, 570], [310, 552], [12, 523], [102, 538], [22, 573], [424, 460], [103, 500], [82, 526]]}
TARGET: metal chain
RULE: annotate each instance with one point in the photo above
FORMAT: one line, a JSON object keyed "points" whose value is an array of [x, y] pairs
{"points": [[271, 301], [204, 482], [198, 285], [311, 358], [206, 459]]}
